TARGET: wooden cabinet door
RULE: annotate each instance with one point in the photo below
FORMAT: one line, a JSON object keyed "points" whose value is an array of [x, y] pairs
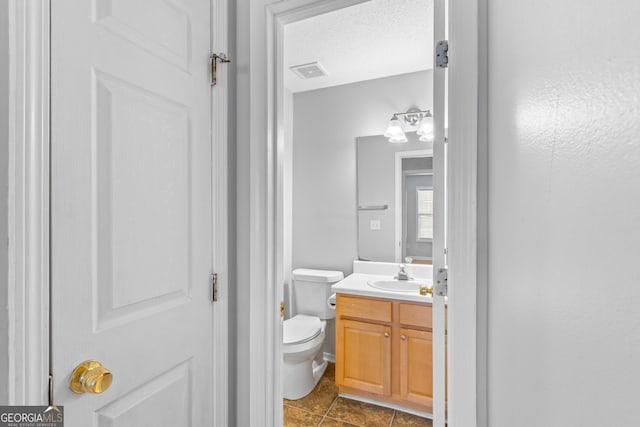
{"points": [[363, 356], [416, 366]]}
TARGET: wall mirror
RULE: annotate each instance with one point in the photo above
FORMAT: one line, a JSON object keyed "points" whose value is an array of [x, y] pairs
{"points": [[394, 199]]}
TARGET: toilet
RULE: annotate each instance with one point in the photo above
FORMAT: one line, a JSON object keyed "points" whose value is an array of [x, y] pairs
{"points": [[303, 334]]}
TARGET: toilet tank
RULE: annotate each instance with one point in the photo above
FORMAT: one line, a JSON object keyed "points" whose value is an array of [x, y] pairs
{"points": [[312, 289]]}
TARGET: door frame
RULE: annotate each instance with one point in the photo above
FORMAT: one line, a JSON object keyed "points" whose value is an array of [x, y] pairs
{"points": [[28, 204], [260, 140], [398, 196], [29, 208]]}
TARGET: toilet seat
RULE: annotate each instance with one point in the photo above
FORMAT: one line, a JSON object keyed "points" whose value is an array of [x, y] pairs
{"points": [[300, 329]]}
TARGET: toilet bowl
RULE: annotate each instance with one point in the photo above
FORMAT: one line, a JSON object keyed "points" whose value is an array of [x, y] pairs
{"points": [[303, 335], [303, 364]]}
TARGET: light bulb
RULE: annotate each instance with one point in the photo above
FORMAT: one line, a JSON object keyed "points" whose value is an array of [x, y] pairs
{"points": [[425, 128], [394, 131], [394, 128], [398, 139]]}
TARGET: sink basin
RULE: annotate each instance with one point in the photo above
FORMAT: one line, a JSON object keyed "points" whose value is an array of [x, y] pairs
{"points": [[398, 285]]}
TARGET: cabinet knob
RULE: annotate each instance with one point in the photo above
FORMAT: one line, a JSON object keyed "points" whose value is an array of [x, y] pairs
{"points": [[403, 337], [386, 334]]}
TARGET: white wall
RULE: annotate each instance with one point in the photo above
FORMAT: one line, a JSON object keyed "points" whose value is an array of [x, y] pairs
{"points": [[564, 213], [4, 177], [326, 124]]}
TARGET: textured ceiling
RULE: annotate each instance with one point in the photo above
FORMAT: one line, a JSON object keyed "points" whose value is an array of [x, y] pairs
{"points": [[370, 40]]}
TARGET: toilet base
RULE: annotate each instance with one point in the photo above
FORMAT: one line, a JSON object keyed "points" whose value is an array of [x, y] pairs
{"points": [[304, 377], [318, 370]]}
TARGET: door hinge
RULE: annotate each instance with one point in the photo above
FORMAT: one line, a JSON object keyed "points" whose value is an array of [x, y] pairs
{"points": [[51, 406], [213, 63], [442, 54], [442, 279], [50, 395], [281, 308], [214, 287]]}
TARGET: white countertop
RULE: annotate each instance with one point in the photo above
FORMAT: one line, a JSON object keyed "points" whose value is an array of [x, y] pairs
{"points": [[356, 284]]}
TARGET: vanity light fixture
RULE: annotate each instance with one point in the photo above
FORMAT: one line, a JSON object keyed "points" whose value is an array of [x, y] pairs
{"points": [[422, 119]]}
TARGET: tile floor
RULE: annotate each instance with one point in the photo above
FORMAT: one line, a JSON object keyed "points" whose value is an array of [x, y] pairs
{"points": [[324, 408]]}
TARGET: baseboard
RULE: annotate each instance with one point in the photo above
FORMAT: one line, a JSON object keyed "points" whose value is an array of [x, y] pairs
{"points": [[329, 357], [389, 405]]}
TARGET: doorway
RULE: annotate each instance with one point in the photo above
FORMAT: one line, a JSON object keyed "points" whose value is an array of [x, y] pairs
{"points": [[321, 195], [262, 217], [260, 142]]}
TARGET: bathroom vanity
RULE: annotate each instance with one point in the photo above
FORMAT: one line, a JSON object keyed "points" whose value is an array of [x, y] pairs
{"points": [[384, 343]]}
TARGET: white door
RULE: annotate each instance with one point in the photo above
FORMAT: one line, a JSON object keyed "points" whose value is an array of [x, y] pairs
{"points": [[131, 209], [439, 220]]}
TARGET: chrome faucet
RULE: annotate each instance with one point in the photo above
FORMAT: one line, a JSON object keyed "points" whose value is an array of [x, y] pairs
{"points": [[402, 274]]}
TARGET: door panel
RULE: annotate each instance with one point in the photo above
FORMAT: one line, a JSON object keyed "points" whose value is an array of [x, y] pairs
{"points": [[131, 209], [143, 198], [439, 219], [168, 390], [166, 32]]}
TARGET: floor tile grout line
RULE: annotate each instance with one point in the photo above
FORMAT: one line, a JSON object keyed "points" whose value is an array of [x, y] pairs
{"points": [[327, 411], [345, 421], [304, 410], [338, 419], [335, 399], [324, 416]]}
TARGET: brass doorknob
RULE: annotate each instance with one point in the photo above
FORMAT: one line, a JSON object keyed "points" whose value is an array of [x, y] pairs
{"points": [[90, 377], [426, 290]]}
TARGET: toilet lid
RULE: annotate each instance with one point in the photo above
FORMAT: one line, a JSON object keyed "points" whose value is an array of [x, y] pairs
{"points": [[300, 328]]}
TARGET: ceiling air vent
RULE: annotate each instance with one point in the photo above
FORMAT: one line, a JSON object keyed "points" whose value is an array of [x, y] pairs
{"points": [[308, 71]]}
